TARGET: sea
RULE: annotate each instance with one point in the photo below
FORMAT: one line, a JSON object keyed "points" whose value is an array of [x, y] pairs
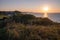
{"points": [[52, 16]]}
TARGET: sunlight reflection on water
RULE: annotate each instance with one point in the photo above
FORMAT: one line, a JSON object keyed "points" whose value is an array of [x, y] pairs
{"points": [[53, 16]]}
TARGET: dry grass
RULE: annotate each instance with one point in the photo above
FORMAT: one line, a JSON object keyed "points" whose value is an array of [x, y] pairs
{"points": [[33, 32]]}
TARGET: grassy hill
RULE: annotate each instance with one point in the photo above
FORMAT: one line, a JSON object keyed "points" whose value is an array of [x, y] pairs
{"points": [[28, 27]]}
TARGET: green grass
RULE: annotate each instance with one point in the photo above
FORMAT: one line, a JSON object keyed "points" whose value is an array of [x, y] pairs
{"points": [[1, 16]]}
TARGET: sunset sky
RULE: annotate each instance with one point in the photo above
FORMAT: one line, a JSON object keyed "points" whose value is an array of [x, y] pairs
{"points": [[30, 5]]}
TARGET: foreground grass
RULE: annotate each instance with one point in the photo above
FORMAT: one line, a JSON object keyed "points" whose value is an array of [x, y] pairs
{"points": [[17, 31]]}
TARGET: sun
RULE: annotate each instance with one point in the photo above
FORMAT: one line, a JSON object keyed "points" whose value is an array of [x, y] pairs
{"points": [[45, 8]]}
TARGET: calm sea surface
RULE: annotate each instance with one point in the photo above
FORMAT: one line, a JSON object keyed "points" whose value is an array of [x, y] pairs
{"points": [[53, 16]]}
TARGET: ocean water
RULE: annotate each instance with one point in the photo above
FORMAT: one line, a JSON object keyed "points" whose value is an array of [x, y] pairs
{"points": [[53, 16]]}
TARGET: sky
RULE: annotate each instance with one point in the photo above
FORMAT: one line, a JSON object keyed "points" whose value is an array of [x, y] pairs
{"points": [[30, 5]]}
